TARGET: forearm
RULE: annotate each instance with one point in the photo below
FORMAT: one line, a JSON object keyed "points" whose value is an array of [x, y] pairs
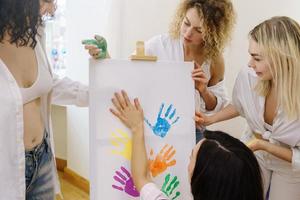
{"points": [[210, 99], [228, 112], [139, 161], [278, 151]]}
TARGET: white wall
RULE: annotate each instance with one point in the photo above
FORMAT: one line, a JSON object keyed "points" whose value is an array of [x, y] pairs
{"points": [[60, 131], [124, 22]]}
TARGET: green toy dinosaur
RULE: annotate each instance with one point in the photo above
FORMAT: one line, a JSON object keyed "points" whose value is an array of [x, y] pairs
{"points": [[100, 42]]}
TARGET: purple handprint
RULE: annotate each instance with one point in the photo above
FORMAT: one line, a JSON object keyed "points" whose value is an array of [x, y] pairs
{"points": [[126, 182]]}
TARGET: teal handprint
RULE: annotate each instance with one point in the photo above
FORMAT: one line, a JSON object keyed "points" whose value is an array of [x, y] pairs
{"points": [[163, 123], [168, 188]]}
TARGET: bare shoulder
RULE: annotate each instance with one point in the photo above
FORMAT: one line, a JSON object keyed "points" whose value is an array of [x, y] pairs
{"points": [[217, 70]]}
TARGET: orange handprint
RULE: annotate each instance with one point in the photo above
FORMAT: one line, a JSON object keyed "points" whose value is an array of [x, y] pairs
{"points": [[162, 160]]}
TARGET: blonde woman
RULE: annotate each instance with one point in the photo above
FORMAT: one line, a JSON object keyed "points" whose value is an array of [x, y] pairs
{"points": [[198, 33], [267, 95]]}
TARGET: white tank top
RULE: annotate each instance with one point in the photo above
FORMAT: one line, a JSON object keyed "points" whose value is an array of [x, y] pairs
{"points": [[43, 84]]}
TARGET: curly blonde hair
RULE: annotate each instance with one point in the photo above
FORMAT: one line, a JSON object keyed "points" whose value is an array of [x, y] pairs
{"points": [[219, 19]]}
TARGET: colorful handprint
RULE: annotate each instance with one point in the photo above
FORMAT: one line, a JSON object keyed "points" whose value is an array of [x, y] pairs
{"points": [[168, 188], [162, 161], [122, 144], [126, 182], [163, 123]]}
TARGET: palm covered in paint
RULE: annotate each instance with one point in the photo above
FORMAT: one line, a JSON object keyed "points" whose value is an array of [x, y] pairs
{"points": [[169, 187], [163, 123], [126, 181], [161, 162]]}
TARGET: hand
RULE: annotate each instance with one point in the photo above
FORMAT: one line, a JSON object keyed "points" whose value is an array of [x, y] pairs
{"points": [[168, 188], [163, 123], [131, 115], [256, 144], [122, 144], [162, 160], [203, 120], [126, 182], [200, 79], [97, 47]]}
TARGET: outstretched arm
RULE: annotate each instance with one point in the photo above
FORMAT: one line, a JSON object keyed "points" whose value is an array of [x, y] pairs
{"points": [[228, 112], [131, 114]]}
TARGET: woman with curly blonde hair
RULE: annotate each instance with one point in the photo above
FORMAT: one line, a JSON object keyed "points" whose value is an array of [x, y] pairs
{"points": [[198, 33]]}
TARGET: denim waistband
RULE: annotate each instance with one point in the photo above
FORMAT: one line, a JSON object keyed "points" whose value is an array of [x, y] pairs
{"points": [[39, 149]]}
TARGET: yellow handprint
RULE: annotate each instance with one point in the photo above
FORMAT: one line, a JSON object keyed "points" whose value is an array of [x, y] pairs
{"points": [[122, 143], [161, 161]]}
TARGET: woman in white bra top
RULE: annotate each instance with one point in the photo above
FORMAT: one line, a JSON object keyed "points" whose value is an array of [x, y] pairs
{"points": [[28, 88]]}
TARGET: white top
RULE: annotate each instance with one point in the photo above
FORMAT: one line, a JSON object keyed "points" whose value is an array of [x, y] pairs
{"points": [[12, 151], [43, 82], [168, 49], [150, 192], [282, 132]]}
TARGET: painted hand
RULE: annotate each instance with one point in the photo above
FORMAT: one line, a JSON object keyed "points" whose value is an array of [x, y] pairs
{"points": [[168, 188], [122, 143], [163, 123], [126, 182], [97, 47], [256, 144], [162, 161]]}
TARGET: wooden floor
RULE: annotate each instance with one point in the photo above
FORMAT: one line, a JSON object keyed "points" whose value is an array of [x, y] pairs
{"points": [[71, 192]]}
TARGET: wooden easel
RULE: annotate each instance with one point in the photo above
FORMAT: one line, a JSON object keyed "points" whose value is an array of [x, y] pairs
{"points": [[140, 53]]}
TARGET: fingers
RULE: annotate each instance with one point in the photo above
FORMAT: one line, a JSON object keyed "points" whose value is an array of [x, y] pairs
{"points": [[126, 98], [198, 73], [137, 104], [120, 100], [117, 104], [197, 66], [93, 50], [199, 119]]}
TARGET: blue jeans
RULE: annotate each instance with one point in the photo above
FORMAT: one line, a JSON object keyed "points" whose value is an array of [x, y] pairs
{"points": [[38, 172], [199, 134]]}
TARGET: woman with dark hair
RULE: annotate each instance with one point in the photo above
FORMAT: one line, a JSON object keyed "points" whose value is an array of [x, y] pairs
{"points": [[221, 167], [28, 88]]}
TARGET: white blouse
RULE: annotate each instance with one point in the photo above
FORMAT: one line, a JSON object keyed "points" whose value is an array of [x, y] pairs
{"points": [[282, 132], [168, 49]]}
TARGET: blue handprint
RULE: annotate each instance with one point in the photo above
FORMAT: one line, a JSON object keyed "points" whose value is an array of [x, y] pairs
{"points": [[163, 123]]}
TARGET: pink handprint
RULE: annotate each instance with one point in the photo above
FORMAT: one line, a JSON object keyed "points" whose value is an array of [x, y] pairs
{"points": [[126, 182]]}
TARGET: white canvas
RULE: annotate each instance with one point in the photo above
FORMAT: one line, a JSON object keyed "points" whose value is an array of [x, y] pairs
{"points": [[157, 85]]}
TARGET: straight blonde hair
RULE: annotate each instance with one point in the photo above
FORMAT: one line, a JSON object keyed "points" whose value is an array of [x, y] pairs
{"points": [[279, 39]]}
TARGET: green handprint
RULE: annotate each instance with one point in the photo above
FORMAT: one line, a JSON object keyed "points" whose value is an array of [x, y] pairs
{"points": [[122, 144], [100, 42], [168, 188]]}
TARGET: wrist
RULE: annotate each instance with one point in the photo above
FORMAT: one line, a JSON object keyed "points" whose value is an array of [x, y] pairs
{"points": [[203, 91], [263, 145], [138, 130]]}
